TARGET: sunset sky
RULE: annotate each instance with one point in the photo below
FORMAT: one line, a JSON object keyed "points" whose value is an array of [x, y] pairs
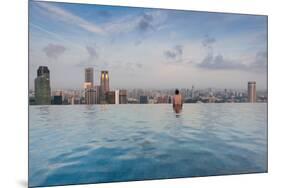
{"points": [[146, 48]]}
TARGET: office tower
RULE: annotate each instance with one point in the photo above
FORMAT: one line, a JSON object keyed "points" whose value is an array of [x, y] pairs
{"points": [[104, 86], [89, 86], [123, 96], [143, 99], [110, 97], [104, 82], [117, 97], [89, 75], [89, 95], [252, 92], [42, 86], [96, 94], [57, 99], [192, 92]]}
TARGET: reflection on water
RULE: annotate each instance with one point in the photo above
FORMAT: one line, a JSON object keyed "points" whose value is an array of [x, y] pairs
{"points": [[105, 143]]}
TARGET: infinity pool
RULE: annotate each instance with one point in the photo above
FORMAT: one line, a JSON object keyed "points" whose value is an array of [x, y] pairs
{"points": [[106, 143]]}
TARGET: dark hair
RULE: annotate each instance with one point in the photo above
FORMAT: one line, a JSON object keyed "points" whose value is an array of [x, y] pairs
{"points": [[177, 92]]}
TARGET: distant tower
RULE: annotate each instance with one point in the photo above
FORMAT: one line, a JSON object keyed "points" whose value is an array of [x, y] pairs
{"points": [[117, 96], [123, 96], [192, 92], [104, 84], [89, 75], [42, 86], [89, 86], [252, 97]]}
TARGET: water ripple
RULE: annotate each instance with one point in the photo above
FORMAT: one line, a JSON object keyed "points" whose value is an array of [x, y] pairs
{"points": [[91, 144]]}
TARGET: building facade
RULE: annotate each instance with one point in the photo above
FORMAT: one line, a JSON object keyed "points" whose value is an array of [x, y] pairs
{"points": [[252, 96], [89, 75], [104, 86], [42, 86], [143, 99], [123, 96], [89, 86]]}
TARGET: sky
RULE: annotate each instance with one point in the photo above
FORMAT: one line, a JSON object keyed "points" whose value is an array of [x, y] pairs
{"points": [[146, 48]]}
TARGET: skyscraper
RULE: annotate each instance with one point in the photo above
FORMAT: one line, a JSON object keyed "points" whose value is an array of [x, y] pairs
{"points": [[89, 95], [116, 96], [42, 86], [89, 75], [123, 96], [104, 85], [252, 92], [89, 86]]}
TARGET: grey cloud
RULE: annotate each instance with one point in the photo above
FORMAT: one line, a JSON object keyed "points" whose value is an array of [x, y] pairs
{"points": [[92, 55], [175, 53], [217, 62], [54, 50], [208, 40], [92, 52], [145, 23], [104, 13]]}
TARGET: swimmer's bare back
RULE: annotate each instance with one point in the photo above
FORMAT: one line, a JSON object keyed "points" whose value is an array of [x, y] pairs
{"points": [[177, 100]]}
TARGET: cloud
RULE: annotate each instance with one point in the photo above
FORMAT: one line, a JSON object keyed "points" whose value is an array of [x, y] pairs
{"points": [[149, 21], [218, 62], [92, 52], [208, 42], [145, 23], [54, 50], [70, 18], [212, 61], [105, 13], [92, 59], [174, 54]]}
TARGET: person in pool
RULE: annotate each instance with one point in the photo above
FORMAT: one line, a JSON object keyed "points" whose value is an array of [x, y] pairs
{"points": [[177, 101]]}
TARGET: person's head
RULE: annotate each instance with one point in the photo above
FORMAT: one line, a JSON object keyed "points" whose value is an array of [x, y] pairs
{"points": [[177, 92]]}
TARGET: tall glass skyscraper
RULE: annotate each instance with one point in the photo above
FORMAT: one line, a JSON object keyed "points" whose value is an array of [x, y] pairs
{"points": [[89, 86], [104, 85], [42, 86]]}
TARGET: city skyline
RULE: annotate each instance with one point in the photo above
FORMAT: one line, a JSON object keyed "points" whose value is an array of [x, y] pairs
{"points": [[102, 94], [147, 48]]}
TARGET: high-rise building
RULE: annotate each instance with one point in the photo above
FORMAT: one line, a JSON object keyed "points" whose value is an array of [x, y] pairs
{"points": [[57, 99], [89, 95], [192, 92], [123, 96], [96, 94], [104, 86], [89, 86], [117, 97], [143, 99], [42, 86], [110, 97], [89, 75], [252, 96]]}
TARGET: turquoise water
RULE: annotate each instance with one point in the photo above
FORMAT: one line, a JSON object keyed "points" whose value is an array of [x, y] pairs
{"points": [[91, 144]]}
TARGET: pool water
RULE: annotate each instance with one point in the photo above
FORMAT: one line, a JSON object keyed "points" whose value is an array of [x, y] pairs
{"points": [[77, 144]]}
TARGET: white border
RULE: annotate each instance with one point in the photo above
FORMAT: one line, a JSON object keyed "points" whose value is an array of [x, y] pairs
{"points": [[13, 95]]}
